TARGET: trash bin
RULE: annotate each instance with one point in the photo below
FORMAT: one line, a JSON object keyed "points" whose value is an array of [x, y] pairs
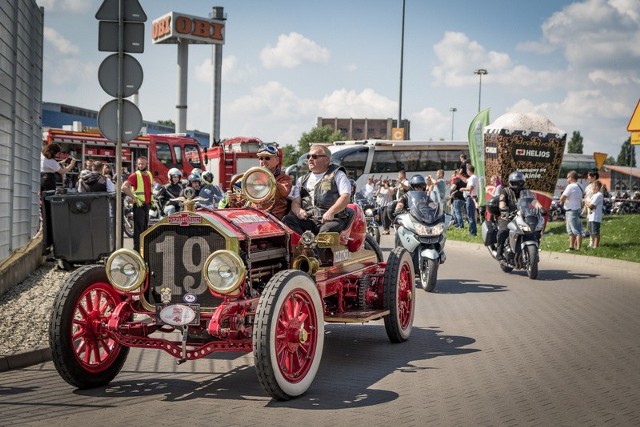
{"points": [[82, 225]]}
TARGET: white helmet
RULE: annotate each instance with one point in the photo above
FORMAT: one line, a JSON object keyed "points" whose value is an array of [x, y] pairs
{"points": [[196, 171], [174, 172]]}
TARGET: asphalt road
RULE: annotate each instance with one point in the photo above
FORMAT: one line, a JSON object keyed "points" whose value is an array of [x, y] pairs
{"points": [[488, 348]]}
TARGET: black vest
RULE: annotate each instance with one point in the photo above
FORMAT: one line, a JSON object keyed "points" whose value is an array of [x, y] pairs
{"points": [[325, 193]]}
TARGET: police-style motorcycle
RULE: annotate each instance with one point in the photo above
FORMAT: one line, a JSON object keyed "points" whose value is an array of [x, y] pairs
{"points": [[421, 229], [520, 250]]}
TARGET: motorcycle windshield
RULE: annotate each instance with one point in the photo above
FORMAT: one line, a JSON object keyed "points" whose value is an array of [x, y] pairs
{"points": [[527, 203], [426, 208]]}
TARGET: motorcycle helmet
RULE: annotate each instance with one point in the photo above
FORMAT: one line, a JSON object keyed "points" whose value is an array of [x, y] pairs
{"points": [[174, 172], [516, 180], [354, 186], [207, 177], [417, 183], [196, 171], [194, 178]]}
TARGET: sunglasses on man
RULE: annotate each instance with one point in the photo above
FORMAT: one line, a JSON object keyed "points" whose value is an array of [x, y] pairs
{"points": [[315, 156]]}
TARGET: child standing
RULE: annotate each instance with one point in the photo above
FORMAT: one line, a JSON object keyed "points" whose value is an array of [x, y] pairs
{"points": [[595, 214]]}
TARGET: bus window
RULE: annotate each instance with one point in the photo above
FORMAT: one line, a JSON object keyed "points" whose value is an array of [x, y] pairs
{"points": [[163, 154], [353, 162], [386, 162], [192, 155]]}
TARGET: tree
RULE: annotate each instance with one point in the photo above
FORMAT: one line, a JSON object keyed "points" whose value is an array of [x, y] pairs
{"points": [[627, 156], [168, 122], [324, 135], [610, 161], [575, 144], [289, 155]]}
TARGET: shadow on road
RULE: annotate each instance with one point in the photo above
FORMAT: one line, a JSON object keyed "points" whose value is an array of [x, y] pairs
{"points": [[449, 286], [555, 275], [355, 357]]}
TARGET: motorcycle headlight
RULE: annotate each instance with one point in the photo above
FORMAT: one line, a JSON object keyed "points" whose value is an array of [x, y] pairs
{"points": [[424, 230], [126, 270], [368, 212], [224, 271]]}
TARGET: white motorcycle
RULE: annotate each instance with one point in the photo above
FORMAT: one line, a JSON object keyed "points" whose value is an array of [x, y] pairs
{"points": [[422, 230]]}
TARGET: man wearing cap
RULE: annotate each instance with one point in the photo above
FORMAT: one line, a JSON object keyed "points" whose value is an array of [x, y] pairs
{"points": [[268, 158]]}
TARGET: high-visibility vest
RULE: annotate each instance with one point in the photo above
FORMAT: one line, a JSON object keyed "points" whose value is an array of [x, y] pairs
{"points": [[139, 193]]}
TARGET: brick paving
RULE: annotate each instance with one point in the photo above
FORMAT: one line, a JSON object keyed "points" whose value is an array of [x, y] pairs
{"points": [[488, 348]]}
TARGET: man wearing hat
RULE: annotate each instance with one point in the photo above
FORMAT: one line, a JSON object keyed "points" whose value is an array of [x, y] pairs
{"points": [[268, 158]]}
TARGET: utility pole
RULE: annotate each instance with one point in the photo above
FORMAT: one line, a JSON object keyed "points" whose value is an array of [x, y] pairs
{"points": [[453, 113], [480, 72]]}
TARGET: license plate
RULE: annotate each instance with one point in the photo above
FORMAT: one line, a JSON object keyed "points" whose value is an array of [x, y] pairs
{"points": [[178, 314]]}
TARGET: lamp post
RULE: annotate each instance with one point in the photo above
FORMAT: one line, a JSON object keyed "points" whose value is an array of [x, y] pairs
{"points": [[453, 114], [401, 66], [480, 72]]}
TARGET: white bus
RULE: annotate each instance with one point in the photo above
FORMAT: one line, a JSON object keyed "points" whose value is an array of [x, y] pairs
{"points": [[382, 159]]}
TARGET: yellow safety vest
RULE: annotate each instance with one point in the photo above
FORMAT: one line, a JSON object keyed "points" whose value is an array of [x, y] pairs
{"points": [[139, 193]]}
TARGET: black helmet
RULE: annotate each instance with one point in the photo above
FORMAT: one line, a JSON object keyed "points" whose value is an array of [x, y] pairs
{"points": [[516, 180], [417, 183], [194, 178], [207, 177]]}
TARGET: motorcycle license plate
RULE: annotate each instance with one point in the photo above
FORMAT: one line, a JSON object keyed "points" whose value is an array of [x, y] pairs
{"points": [[178, 314]]}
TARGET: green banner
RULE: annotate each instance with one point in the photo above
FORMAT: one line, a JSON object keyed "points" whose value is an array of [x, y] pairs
{"points": [[476, 150]]}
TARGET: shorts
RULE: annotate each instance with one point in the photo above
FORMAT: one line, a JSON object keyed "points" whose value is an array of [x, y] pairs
{"points": [[594, 228], [574, 225]]}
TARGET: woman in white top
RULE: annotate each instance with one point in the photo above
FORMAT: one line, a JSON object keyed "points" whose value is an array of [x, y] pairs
{"points": [[384, 196], [49, 167]]}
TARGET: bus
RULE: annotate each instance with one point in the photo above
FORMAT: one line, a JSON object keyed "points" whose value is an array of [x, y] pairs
{"points": [[382, 159], [581, 163]]}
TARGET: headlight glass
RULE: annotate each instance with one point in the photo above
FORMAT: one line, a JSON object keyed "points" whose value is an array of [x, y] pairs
{"points": [[258, 184], [224, 271], [126, 270], [424, 230], [368, 212]]}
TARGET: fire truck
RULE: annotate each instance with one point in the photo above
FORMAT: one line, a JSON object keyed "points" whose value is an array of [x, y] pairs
{"points": [[163, 151], [233, 156]]}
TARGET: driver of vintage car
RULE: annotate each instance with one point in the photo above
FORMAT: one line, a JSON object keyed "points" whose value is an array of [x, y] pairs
{"points": [[320, 198]]}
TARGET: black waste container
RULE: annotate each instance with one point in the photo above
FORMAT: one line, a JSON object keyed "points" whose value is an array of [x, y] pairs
{"points": [[82, 225]]}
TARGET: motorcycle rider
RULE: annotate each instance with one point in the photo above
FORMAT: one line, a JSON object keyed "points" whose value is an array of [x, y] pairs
{"points": [[211, 192], [170, 191], [508, 204], [194, 182], [416, 183]]}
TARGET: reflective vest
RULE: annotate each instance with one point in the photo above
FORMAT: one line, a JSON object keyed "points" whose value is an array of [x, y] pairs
{"points": [[139, 191]]}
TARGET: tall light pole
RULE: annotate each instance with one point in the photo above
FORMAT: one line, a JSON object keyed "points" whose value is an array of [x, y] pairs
{"points": [[480, 72], [453, 114], [401, 65]]}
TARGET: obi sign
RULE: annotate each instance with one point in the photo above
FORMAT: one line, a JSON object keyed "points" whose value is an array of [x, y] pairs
{"points": [[174, 25]]}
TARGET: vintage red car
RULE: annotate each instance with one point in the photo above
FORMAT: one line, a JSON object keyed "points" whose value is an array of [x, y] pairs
{"points": [[230, 280]]}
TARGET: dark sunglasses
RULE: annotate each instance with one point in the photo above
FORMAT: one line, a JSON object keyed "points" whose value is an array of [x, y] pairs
{"points": [[265, 158], [314, 156]]}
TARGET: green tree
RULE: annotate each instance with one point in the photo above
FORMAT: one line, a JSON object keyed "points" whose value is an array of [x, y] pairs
{"points": [[168, 122], [324, 135], [289, 156], [610, 161], [627, 156], [575, 144]]}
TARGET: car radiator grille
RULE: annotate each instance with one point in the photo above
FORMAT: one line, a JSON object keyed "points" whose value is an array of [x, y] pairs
{"points": [[176, 257]]}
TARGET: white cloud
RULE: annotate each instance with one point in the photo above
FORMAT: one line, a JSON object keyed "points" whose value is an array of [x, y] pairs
{"points": [[68, 70], [273, 100], [231, 71], [59, 43], [431, 124], [75, 6], [368, 103], [292, 50]]}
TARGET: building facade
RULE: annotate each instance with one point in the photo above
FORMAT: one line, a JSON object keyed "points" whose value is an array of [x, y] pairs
{"points": [[357, 129]]}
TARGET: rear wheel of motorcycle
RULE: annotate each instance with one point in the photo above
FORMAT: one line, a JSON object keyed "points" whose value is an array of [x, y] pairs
{"points": [[430, 277], [399, 295], [372, 245], [84, 355], [532, 265], [288, 334], [376, 234]]}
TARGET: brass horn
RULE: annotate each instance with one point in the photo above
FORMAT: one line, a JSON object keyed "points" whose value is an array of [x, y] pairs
{"points": [[306, 264]]}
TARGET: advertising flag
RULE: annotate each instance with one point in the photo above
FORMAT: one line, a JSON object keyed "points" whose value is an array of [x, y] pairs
{"points": [[476, 150]]}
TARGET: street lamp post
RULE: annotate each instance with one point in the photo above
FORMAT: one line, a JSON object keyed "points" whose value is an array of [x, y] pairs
{"points": [[453, 113], [401, 66], [480, 72]]}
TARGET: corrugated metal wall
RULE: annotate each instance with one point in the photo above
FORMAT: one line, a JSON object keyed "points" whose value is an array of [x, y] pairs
{"points": [[21, 24]]}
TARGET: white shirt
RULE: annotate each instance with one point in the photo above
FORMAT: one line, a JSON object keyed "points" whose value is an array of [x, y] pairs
{"points": [[595, 215], [49, 165], [473, 181], [573, 192], [384, 197], [368, 190]]}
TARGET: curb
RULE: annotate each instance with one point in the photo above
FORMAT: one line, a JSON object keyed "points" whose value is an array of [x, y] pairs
{"points": [[22, 359]]}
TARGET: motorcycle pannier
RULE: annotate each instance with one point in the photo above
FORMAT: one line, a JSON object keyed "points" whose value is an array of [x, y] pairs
{"points": [[489, 233]]}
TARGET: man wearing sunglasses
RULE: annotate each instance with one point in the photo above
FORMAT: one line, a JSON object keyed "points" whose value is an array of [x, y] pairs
{"points": [[320, 197], [268, 158]]}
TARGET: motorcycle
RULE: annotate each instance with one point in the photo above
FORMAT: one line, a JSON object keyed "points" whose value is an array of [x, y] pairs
{"points": [[556, 210], [520, 250], [371, 213], [156, 212], [127, 217], [422, 230]]}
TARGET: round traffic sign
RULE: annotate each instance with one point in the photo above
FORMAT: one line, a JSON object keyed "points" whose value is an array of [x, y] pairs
{"points": [[131, 120], [131, 75]]}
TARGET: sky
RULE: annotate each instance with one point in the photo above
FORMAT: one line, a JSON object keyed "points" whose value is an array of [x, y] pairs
{"points": [[288, 62]]}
